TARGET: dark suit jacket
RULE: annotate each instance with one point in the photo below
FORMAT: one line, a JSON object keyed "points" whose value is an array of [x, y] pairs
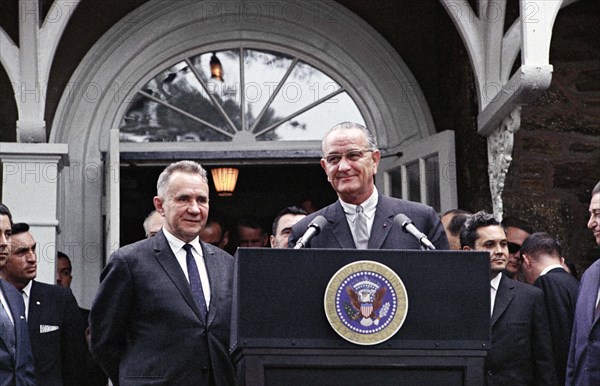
{"points": [[93, 373], [385, 234], [560, 297], [17, 371], [146, 327], [583, 367], [57, 336], [521, 352]]}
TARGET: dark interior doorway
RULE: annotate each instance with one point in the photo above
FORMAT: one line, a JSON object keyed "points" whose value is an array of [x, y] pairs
{"points": [[261, 191]]}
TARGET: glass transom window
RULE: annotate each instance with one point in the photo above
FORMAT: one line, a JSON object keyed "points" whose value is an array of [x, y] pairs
{"points": [[250, 95]]}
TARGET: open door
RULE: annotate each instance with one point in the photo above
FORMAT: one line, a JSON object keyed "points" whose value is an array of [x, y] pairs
{"points": [[424, 172], [112, 195]]}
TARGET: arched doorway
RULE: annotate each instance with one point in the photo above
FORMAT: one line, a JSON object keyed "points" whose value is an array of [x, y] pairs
{"points": [[325, 36]]}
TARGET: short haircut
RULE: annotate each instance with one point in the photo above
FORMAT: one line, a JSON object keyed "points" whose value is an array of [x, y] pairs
{"points": [[287, 210], [457, 221], [596, 189], [62, 255], [147, 220], [185, 166], [541, 242], [513, 222], [371, 140], [468, 233], [250, 222], [19, 227], [5, 212]]}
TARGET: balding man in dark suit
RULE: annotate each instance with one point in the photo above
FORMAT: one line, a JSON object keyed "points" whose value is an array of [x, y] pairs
{"points": [[162, 313], [362, 218]]}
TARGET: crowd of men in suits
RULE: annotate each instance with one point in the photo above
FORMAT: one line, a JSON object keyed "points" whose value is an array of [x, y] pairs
{"points": [[163, 310]]}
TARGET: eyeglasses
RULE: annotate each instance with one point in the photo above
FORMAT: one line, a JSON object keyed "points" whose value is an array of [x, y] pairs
{"points": [[351, 155], [513, 247]]}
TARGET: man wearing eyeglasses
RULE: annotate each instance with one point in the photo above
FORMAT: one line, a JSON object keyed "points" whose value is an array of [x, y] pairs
{"points": [[362, 217], [516, 233]]}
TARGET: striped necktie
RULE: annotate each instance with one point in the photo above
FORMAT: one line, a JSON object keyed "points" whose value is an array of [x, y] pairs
{"points": [[361, 231]]}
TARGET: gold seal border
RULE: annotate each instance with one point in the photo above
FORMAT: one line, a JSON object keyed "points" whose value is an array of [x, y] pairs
{"points": [[401, 300]]}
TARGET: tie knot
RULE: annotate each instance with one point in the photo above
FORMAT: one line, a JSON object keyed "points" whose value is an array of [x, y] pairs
{"points": [[187, 247], [359, 209]]}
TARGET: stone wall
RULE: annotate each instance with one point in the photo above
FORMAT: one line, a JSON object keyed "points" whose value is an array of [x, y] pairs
{"points": [[557, 150]]}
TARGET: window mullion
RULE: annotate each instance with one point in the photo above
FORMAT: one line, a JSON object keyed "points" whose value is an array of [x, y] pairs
{"points": [[242, 89], [183, 112], [211, 96], [273, 95], [293, 115]]}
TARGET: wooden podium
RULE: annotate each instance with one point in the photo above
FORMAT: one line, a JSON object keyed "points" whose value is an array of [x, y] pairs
{"points": [[281, 336]]}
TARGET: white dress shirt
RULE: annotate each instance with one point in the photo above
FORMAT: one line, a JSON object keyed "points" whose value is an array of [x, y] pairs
{"points": [[369, 208], [494, 283], [5, 304], [26, 291], [180, 254]]}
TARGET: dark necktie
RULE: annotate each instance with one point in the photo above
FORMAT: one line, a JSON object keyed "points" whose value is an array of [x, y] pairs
{"points": [[195, 283], [361, 232], [7, 330]]}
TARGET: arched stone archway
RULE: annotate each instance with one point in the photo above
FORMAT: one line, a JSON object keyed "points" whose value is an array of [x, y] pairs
{"points": [[324, 34]]}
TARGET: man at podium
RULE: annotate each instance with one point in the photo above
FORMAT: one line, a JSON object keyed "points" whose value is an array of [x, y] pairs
{"points": [[362, 218]]}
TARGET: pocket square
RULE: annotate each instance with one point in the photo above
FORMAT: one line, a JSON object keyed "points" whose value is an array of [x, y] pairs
{"points": [[46, 328]]}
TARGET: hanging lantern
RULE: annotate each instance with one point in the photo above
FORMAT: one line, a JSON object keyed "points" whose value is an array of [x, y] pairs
{"points": [[225, 179], [216, 69]]}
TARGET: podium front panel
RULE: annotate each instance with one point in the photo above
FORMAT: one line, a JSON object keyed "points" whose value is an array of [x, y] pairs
{"points": [[279, 298]]}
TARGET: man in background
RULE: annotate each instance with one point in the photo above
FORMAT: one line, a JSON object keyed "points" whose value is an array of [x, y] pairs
{"points": [[583, 367], [516, 232], [282, 225], [453, 221], [542, 267], [251, 234], [152, 224], [55, 327], [215, 232], [64, 270], [521, 352], [16, 358]]}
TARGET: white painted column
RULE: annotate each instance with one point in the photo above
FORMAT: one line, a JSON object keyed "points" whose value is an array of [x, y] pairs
{"points": [[30, 174]]}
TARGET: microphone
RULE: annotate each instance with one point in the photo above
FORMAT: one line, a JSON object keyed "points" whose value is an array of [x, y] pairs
{"points": [[408, 227], [317, 224]]}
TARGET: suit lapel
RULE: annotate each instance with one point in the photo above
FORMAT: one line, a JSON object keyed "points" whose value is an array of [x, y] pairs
{"points": [[166, 258], [15, 312], [504, 296], [591, 306], [339, 226], [382, 223], [11, 309], [33, 317], [214, 271]]}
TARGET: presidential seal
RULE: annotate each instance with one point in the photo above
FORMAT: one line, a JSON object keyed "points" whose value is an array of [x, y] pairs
{"points": [[366, 302]]}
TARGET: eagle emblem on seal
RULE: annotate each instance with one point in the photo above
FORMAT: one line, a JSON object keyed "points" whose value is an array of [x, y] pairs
{"points": [[366, 300]]}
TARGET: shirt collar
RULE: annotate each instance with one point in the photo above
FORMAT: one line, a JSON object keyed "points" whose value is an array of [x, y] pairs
{"points": [[495, 282], [551, 267], [369, 205], [177, 244], [27, 289]]}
